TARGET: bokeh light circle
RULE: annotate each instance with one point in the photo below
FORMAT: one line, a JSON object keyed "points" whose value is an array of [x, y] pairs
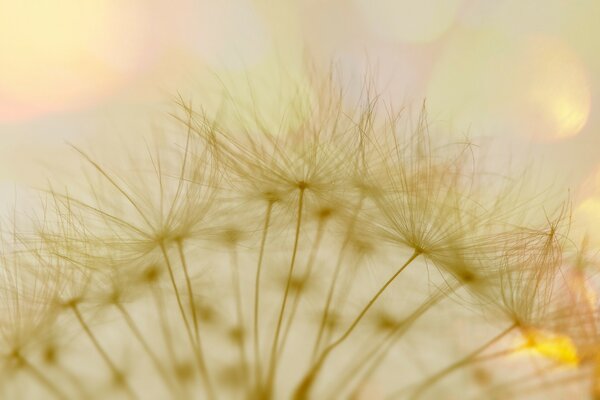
{"points": [[408, 20], [59, 55], [501, 84]]}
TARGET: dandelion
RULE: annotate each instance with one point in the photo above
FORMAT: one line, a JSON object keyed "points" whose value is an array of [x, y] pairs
{"points": [[28, 320], [257, 260]]}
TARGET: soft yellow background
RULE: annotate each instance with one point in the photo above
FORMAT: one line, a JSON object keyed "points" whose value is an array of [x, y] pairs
{"points": [[521, 75]]}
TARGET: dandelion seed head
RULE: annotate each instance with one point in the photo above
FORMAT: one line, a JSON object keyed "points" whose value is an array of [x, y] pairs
{"points": [[201, 256]]}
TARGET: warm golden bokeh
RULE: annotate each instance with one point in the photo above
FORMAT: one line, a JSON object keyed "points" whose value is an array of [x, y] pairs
{"points": [[408, 21], [56, 56], [512, 85]]}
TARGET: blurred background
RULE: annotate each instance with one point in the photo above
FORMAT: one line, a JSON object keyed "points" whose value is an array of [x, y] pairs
{"points": [[524, 76]]}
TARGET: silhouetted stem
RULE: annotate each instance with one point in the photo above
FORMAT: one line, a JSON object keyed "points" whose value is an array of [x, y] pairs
{"points": [[235, 283], [153, 357], [303, 389], [432, 380], [117, 373], [261, 254], [190, 290], [42, 379], [164, 324], [546, 384], [514, 383], [197, 351], [74, 379], [377, 353], [339, 302], [334, 279], [308, 272], [273, 359]]}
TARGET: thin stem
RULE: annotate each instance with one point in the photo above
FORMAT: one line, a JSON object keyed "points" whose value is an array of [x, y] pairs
{"points": [[74, 379], [519, 380], [325, 315], [432, 380], [199, 356], [273, 359], [235, 283], [43, 379], [334, 279], [340, 300], [376, 354], [371, 302], [498, 354], [199, 347], [111, 365], [550, 385], [261, 254], [303, 389], [308, 272], [166, 333], [164, 324], [188, 283], [140, 338], [177, 294], [348, 284]]}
